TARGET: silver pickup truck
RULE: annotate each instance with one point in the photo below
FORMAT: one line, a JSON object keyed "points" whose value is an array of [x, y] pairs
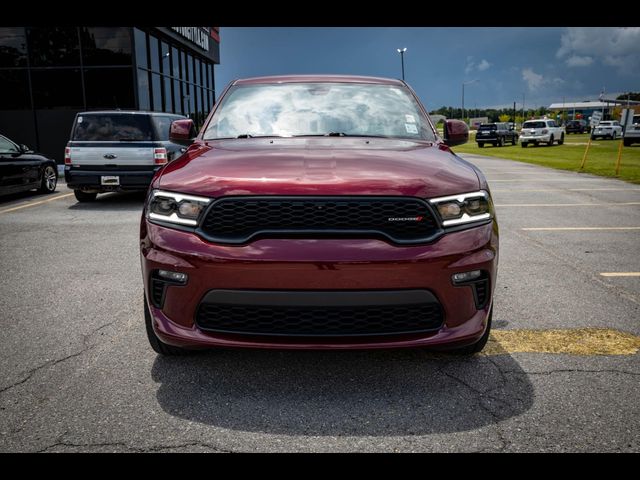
{"points": [[118, 150]]}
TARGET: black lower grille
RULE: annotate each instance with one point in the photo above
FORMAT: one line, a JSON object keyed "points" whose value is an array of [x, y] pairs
{"points": [[319, 321], [241, 219], [157, 292], [481, 288]]}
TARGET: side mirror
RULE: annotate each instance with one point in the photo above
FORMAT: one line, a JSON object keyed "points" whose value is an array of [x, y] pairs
{"points": [[24, 148], [182, 131], [456, 132]]}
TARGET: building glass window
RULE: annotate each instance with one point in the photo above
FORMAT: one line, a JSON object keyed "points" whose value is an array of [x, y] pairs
{"points": [[14, 90], [192, 101], [57, 88], [105, 46], [53, 46], [154, 53], [185, 98], [109, 87], [198, 77], [165, 58], [177, 97], [156, 92], [144, 101], [13, 47], [168, 99], [141, 48], [190, 65], [183, 66], [175, 61], [210, 67]]}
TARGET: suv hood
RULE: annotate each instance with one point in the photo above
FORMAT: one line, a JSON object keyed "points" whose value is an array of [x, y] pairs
{"points": [[318, 166]]}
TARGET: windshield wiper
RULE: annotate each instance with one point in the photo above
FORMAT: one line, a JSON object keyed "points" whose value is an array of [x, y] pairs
{"points": [[248, 135], [340, 134]]}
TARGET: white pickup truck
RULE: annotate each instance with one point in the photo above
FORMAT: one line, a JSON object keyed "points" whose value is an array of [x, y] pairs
{"points": [[541, 131]]}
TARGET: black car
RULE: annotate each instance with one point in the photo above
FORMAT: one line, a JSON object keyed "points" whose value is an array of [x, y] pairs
{"points": [[21, 169], [576, 126], [497, 134]]}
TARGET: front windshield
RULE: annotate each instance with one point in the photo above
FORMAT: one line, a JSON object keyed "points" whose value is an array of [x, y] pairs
{"points": [[309, 109]]}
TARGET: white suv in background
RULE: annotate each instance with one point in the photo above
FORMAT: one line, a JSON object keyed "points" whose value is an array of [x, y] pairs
{"points": [[607, 129], [541, 131], [632, 133]]}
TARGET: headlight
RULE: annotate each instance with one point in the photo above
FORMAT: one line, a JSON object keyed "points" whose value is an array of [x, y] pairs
{"points": [[175, 207], [464, 208]]}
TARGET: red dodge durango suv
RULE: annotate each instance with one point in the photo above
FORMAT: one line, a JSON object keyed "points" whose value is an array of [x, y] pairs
{"points": [[318, 212]]}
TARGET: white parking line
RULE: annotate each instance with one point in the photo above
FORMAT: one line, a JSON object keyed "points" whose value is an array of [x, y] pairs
{"points": [[620, 274], [551, 229], [33, 204], [564, 204], [565, 190]]}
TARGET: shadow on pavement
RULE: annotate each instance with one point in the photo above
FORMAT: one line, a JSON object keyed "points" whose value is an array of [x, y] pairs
{"points": [[129, 201], [380, 393]]}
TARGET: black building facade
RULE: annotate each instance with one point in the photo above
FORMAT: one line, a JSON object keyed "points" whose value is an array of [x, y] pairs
{"points": [[48, 74]]}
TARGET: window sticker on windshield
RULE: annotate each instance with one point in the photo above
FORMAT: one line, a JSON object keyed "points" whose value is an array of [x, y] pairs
{"points": [[409, 119], [411, 127], [79, 119]]}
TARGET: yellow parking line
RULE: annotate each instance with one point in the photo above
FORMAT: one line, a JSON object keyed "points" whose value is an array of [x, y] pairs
{"points": [[33, 204], [564, 204], [620, 274], [572, 341], [541, 229]]}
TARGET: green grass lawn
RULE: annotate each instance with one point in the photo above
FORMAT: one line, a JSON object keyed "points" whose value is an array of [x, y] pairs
{"points": [[600, 161]]}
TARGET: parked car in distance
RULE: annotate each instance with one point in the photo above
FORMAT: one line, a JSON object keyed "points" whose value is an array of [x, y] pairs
{"points": [[118, 150], [632, 133], [496, 134], [607, 129], [319, 212], [541, 131], [576, 126], [22, 169]]}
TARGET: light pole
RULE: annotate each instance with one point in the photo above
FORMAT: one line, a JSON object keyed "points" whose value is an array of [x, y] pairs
{"points": [[463, 84], [401, 52]]}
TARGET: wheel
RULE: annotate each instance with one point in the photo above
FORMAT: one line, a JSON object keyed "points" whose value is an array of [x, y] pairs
{"points": [[551, 140], [535, 144], [514, 141], [84, 196], [593, 137], [495, 144], [480, 145], [524, 144], [49, 180], [561, 141], [501, 142], [479, 345], [613, 137], [158, 345], [627, 143]]}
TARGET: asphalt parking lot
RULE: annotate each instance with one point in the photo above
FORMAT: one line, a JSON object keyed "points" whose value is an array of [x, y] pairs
{"points": [[77, 373]]}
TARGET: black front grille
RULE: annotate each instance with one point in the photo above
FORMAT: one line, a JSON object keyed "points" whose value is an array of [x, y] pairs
{"points": [[481, 292], [157, 292], [319, 321], [241, 219]]}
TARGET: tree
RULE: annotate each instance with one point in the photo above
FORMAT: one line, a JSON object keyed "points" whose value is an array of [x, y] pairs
{"points": [[504, 117], [519, 119], [631, 95]]}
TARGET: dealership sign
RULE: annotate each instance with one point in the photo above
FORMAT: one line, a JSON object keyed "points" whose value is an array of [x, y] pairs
{"points": [[198, 35]]}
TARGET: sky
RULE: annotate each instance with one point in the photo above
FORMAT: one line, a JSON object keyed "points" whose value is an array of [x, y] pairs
{"points": [[502, 65]]}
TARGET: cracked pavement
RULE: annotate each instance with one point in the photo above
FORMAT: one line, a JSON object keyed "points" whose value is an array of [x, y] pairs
{"points": [[77, 373]]}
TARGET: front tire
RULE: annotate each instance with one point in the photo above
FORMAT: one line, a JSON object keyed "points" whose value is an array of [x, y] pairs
{"points": [[524, 144], [480, 145], [627, 143], [501, 142], [85, 196], [49, 180], [480, 344], [561, 141], [158, 345], [613, 136], [551, 140]]}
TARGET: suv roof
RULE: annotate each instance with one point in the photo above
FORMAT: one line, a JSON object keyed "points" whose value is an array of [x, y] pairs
{"points": [[318, 78]]}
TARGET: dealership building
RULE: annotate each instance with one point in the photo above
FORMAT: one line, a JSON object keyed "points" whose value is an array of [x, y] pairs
{"points": [[48, 74]]}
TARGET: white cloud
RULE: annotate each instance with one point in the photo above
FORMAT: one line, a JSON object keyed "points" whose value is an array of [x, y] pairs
{"points": [[613, 46], [534, 80], [483, 65], [578, 61]]}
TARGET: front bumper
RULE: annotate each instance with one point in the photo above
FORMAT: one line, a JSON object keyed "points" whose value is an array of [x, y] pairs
{"points": [[86, 178], [314, 266]]}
